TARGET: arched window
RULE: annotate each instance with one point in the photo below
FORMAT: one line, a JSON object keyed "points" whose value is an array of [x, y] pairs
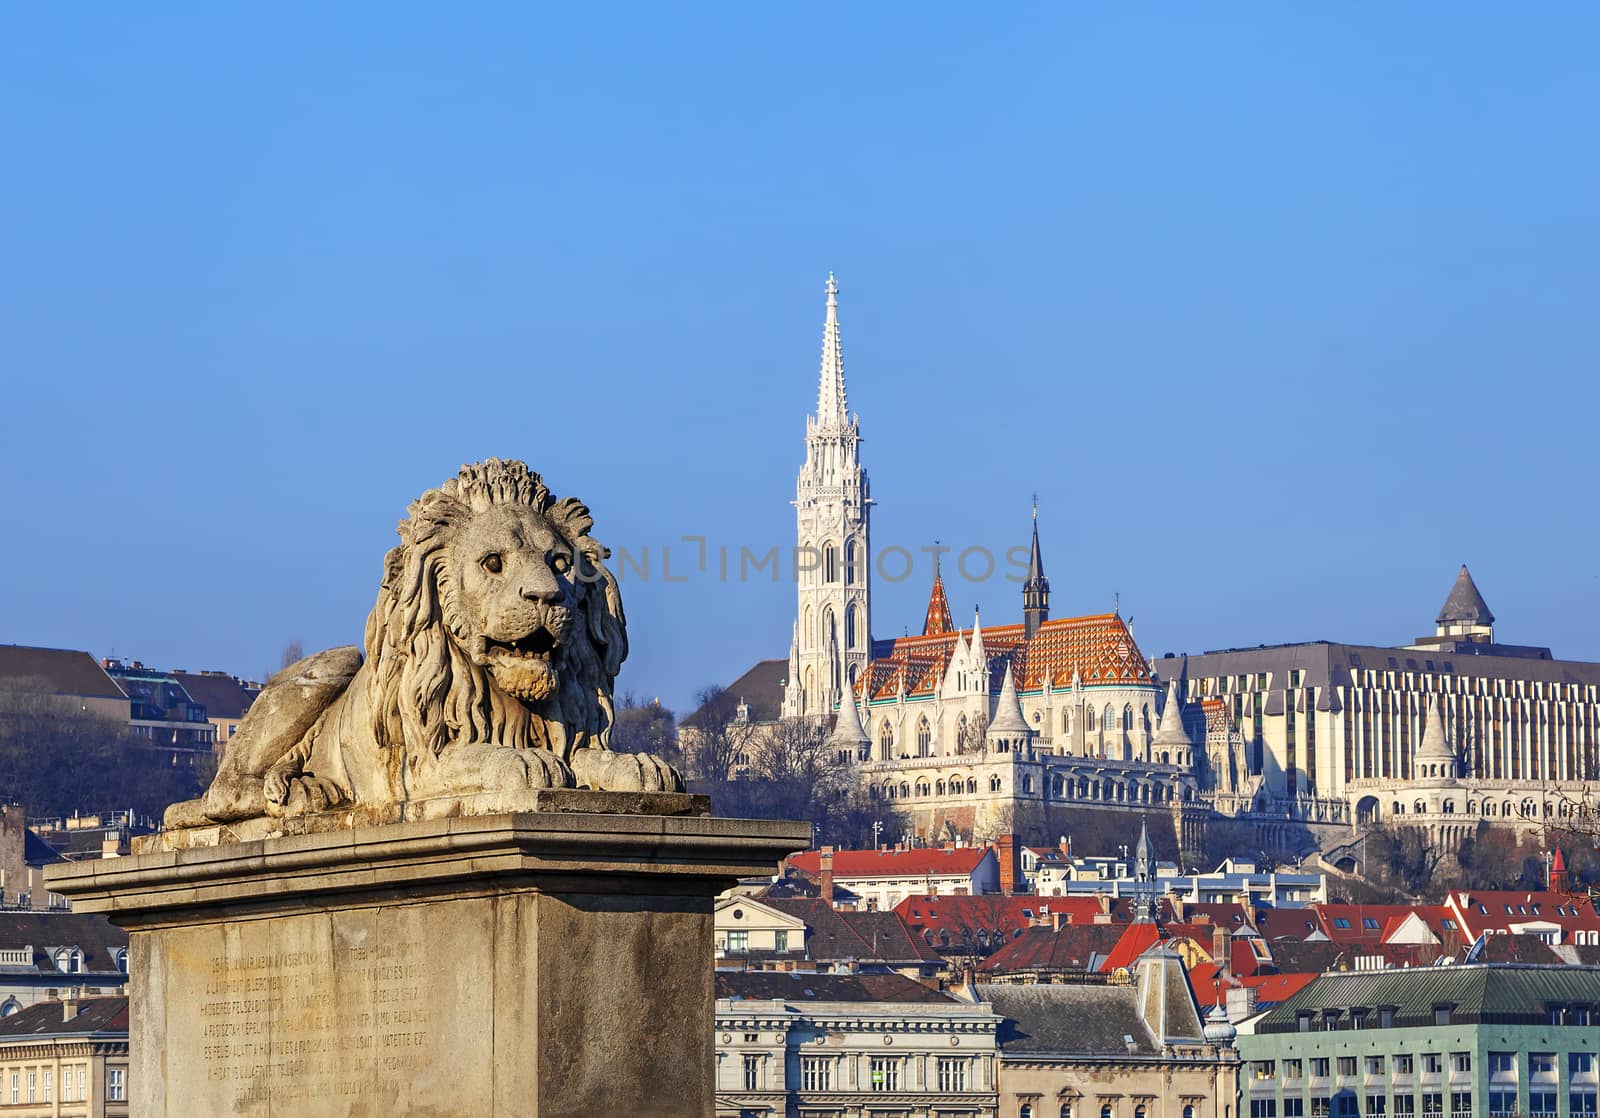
{"points": [[924, 737], [1027, 783], [852, 632], [806, 630], [10, 1006], [905, 789], [851, 557], [938, 788], [829, 630], [830, 564], [1088, 720], [961, 732], [1066, 1110], [1188, 1111], [1127, 717], [1066, 728], [1026, 1111], [885, 740], [972, 786], [803, 562], [121, 957], [1105, 1111], [994, 784], [922, 787]]}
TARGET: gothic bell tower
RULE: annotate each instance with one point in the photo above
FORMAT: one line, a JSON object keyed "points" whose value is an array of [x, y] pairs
{"points": [[832, 635]]}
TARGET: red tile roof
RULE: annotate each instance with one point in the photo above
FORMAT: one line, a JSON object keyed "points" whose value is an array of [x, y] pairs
{"points": [[937, 619], [1495, 912], [992, 913], [1270, 988], [1098, 647], [1138, 939], [1073, 947], [929, 861], [1361, 922]]}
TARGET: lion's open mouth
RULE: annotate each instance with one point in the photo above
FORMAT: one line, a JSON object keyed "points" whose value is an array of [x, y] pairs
{"points": [[537, 645]]}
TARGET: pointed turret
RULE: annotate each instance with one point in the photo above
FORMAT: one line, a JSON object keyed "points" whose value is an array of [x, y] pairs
{"points": [[1435, 760], [1008, 730], [1465, 614], [980, 658], [847, 730], [938, 616], [1008, 719], [1558, 873], [831, 403], [1144, 855], [1035, 588], [1170, 733]]}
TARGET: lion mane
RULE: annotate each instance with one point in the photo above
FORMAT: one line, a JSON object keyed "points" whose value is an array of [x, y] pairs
{"points": [[423, 689]]}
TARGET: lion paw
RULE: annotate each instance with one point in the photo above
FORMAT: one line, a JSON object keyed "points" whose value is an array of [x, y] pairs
{"points": [[606, 771], [502, 768], [306, 794]]}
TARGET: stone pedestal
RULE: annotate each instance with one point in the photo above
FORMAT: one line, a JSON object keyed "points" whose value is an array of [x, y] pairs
{"points": [[552, 962]]}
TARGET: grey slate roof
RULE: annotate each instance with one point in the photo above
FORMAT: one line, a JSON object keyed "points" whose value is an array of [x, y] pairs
{"points": [[1499, 994], [96, 936], [56, 671], [1061, 1020], [221, 695], [1465, 603], [94, 1017], [761, 689], [800, 986]]}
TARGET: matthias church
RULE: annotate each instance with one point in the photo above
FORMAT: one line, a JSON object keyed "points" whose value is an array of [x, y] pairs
{"points": [[970, 732]]}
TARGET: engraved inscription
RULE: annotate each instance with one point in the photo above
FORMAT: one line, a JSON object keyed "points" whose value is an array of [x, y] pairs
{"points": [[274, 1028]]}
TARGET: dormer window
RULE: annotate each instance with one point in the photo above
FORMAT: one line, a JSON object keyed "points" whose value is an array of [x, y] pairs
{"points": [[121, 958], [68, 960]]}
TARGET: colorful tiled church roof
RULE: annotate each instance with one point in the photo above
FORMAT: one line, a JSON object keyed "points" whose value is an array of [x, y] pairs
{"points": [[937, 620], [1099, 648]]}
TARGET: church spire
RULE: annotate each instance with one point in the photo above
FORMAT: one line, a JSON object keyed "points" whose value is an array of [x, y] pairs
{"points": [[937, 619], [831, 403], [1035, 588]]}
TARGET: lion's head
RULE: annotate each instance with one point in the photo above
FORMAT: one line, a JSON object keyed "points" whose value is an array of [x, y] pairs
{"points": [[497, 620]]}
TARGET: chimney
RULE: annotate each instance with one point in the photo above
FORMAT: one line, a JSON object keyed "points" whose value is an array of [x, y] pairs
{"points": [[826, 860], [1010, 870], [69, 1004], [1059, 920], [1219, 946], [1065, 846]]}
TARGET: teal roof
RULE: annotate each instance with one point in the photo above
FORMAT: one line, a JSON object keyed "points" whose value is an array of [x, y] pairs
{"points": [[1496, 994]]}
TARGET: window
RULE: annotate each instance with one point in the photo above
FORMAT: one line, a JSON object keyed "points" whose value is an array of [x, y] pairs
{"points": [[1263, 1108], [1026, 1111], [1402, 1065], [1263, 1069], [739, 941], [1347, 1065], [924, 737], [1432, 1064], [1319, 1106], [1376, 1104], [1374, 1065], [1580, 1063], [1345, 1107], [1066, 1110], [1432, 1102], [1441, 1014], [1542, 1104], [116, 1084], [1294, 1108], [1341, 922], [49, 1074], [1502, 1104], [752, 1073], [1461, 1104], [1370, 923], [952, 1073], [1319, 1067], [1293, 1069], [885, 1073], [1461, 1061], [16, 1096], [780, 940], [33, 1085], [1580, 1101], [816, 1073], [1542, 1065], [83, 1084]]}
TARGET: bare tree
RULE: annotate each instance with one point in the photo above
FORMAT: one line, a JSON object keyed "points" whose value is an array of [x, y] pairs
{"points": [[292, 652], [716, 742], [646, 727]]}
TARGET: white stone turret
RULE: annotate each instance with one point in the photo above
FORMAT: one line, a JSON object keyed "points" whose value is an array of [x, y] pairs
{"points": [[847, 731], [1435, 760], [1170, 736], [1008, 731]]}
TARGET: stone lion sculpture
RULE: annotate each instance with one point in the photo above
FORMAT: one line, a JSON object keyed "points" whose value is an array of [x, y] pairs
{"points": [[490, 659]]}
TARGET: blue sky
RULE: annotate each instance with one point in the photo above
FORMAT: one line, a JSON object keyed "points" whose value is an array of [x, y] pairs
{"points": [[1284, 312]]}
